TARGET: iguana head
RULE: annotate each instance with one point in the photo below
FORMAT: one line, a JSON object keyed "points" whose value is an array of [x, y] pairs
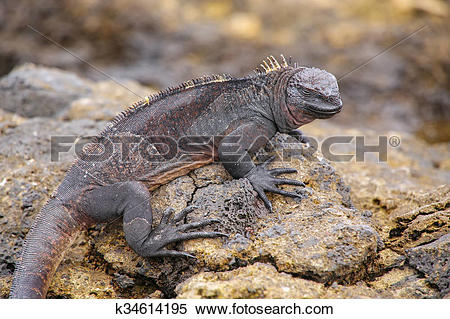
{"points": [[312, 93], [300, 94]]}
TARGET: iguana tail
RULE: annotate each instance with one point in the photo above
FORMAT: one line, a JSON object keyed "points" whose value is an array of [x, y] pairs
{"points": [[54, 229]]}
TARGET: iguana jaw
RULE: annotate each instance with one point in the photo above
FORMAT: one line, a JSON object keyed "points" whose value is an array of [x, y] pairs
{"points": [[322, 111]]}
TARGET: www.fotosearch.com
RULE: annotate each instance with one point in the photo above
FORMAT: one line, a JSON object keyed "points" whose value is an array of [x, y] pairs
{"points": [[132, 148], [241, 308]]}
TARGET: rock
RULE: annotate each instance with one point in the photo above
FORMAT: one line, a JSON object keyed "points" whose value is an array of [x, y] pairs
{"points": [[233, 202], [206, 175], [337, 249], [33, 140], [9, 120], [388, 259], [77, 279], [80, 282], [264, 281], [32, 91], [421, 221], [404, 282], [123, 281], [107, 99], [88, 107], [407, 194], [433, 260]]}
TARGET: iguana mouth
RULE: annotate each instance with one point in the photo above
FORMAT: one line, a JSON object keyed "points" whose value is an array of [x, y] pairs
{"points": [[320, 111]]}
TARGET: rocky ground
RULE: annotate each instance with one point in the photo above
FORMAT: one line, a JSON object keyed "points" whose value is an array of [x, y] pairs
{"points": [[360, 229]]}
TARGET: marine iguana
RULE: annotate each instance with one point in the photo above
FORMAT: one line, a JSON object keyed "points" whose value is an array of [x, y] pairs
{"points": [[236, 111]]}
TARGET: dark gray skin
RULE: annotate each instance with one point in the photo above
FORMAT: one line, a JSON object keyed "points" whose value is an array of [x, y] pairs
{"points": [[252, 109]]}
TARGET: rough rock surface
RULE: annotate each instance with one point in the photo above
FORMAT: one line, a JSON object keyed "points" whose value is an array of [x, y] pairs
{"points": [[359, 230], [261, 280], [32, 91], [434, 261]]}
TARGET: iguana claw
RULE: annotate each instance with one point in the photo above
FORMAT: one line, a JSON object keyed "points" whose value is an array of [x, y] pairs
{"points": [[300, 136], [264, 180], [168, 232]]}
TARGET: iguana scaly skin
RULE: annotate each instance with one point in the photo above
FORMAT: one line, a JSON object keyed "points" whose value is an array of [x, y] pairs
{"points": [[278, 97]]}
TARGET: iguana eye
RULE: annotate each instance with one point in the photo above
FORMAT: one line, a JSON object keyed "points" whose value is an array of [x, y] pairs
{"points": [[305, 91]]}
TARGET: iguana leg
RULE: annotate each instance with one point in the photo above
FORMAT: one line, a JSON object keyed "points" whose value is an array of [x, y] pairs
{"points": [[132, 200], [299, 136], [151, 243], [238, 163]]}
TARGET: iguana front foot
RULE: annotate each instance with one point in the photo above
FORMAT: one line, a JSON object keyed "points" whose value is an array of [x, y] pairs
{"points": [[265, 180], [300, 136], [171, 230]]}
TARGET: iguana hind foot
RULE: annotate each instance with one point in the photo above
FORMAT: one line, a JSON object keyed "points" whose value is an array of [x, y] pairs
{"points": [[171, 230]]}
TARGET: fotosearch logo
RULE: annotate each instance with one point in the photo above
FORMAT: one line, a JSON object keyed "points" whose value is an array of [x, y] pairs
{"points": [[131, 148]]}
